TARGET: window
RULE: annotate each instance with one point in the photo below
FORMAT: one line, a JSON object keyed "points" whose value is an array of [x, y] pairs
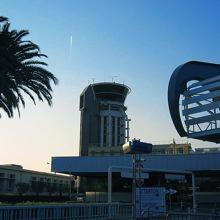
{"points": [[10, 185], [180, 151], [11, 182], [81, 104], [170, 151], [113, 131], [33, 178], [163, 151], [119, 131], [105, 132], [11, 176]]}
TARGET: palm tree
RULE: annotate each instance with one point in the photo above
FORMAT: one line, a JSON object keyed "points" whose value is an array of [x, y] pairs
{"points": [[21, 71]]}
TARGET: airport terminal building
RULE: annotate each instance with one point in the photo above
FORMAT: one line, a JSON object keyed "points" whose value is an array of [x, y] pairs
{"points": [[104, 128]]}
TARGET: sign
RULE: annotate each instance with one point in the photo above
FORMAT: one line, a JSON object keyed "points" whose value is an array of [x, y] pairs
{"points": [[137, 147], [129, 174], [175, 177], [171, 191], [140, 182], [150, 201], [139, 166]]}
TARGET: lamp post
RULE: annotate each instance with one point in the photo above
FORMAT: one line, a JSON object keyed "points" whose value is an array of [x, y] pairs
{"points": [[70, 189], [135, 147]]}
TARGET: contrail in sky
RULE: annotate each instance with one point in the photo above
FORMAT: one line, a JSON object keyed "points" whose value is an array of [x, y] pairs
{"points": [[71, 41], [71, 45]]}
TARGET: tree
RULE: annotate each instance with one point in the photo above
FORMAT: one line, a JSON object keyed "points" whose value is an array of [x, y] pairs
{"points": [[60, 189], [22, 188], [51, 188], [37, 187], [21, 70]]}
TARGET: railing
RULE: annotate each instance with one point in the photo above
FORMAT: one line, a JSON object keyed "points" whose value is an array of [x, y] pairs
{"points": [[201, 108], [92, 211], [66, 212], [181, 216], [192, 216]]}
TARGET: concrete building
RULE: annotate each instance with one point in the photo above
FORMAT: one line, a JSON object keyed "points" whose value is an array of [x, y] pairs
{"points": [[207, 150], [104, 125], [11, 175], [172, 148]]}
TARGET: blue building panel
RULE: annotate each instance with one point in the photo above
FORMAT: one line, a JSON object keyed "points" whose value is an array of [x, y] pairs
{"points": [[97, 165]]}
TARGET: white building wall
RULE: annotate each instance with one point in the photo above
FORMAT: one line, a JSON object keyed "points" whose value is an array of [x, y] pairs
{"points": [[11, 175]]}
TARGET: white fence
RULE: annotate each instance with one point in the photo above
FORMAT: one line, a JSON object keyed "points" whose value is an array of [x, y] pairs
{"points": [[191, 216], [66, 212], [91, 211]]}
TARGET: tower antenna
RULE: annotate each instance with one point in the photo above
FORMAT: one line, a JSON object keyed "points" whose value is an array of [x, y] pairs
{"points": [[113, 77], [93, 80]]}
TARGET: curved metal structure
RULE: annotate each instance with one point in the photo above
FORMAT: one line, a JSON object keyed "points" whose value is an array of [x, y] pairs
{"points": [[206, 90]]}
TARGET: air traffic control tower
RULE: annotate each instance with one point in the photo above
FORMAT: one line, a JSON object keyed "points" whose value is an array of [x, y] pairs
{"points": [[104, 125]]}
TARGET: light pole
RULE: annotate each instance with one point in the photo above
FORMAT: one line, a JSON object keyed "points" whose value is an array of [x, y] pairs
{"points": [[135, 147], [77, 185], [70, 190], [194, 192]]}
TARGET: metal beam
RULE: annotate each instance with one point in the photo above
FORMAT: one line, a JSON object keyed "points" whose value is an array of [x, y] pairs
{"points": [[200, 97], [207, 118], [202, 108], [202, 89], [204, 82]]}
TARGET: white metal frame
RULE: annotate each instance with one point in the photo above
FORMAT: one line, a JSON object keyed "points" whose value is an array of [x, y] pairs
{"points": [[202, 108], [66, 211]]}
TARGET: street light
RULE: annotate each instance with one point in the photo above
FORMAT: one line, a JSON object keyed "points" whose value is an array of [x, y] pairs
{"points": [[135, 147]]}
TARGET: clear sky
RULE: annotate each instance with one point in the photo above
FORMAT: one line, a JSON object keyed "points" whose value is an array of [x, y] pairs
{"points": [[140, 42]]}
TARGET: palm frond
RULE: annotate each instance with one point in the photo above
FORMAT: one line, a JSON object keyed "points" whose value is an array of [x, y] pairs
{"points": [[3, 19], [21, 70]]}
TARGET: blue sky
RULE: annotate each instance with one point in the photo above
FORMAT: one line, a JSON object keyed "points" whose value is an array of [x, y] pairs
{"points": [[140, 42]]}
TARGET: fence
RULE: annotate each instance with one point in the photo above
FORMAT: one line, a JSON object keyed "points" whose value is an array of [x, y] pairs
{"points": [[192, 216], [91, 211], [66, 212], [182, 216]]}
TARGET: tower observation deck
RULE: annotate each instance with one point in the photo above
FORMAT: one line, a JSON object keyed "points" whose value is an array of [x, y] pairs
{"points": [[104, 122]]}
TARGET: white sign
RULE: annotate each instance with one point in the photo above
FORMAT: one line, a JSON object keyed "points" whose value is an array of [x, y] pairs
{"points": [[129, 174], [174, 177], [171, 191], [150, 201]]}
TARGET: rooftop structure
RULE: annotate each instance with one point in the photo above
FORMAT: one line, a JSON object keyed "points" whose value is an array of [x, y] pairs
{"points": [[172, 148]]}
